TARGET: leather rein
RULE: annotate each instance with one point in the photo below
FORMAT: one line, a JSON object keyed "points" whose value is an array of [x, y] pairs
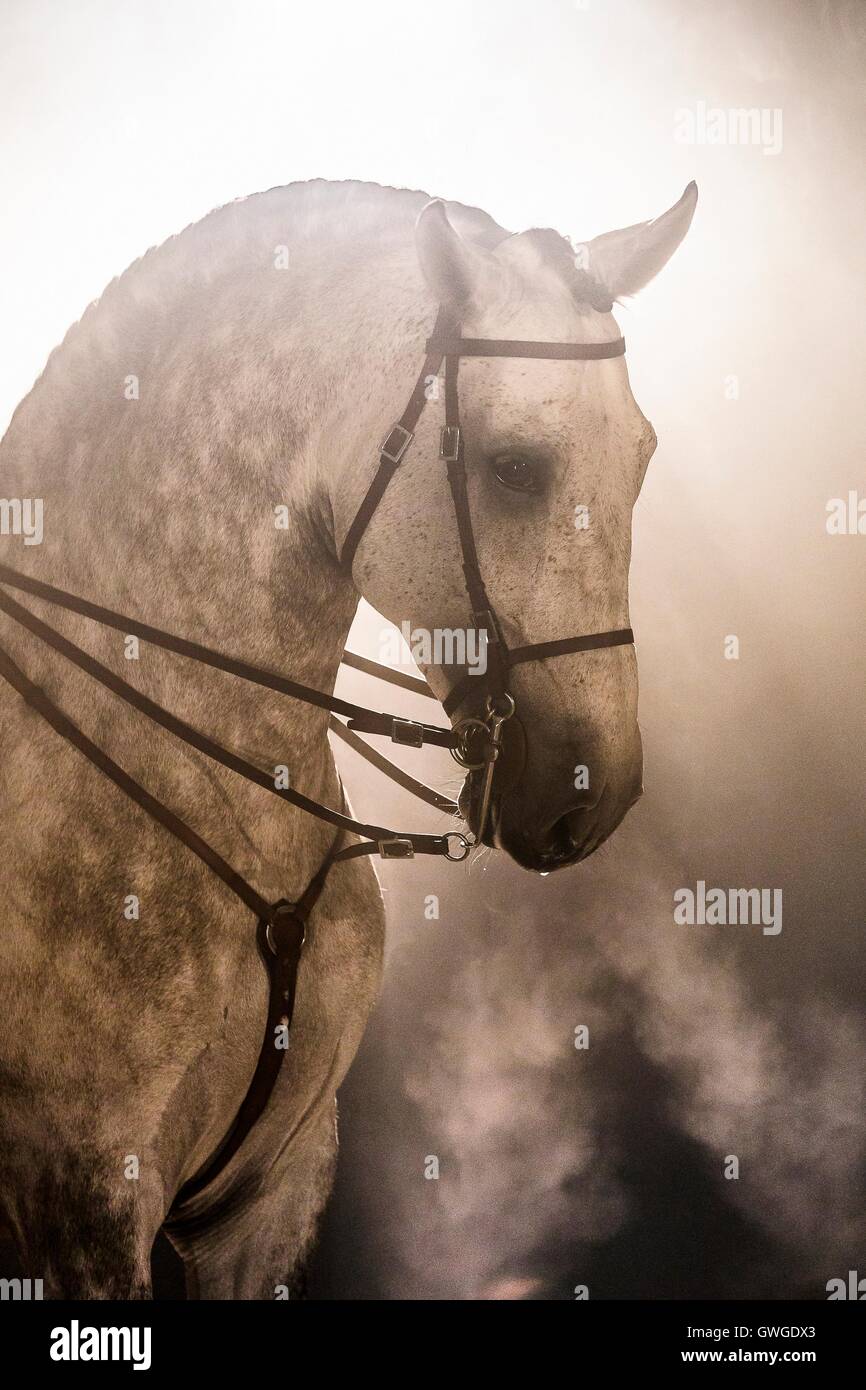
{"points": [[282, 925]]}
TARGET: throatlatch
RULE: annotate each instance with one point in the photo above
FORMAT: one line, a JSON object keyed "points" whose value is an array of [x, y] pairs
{"points": [[282, 925]]}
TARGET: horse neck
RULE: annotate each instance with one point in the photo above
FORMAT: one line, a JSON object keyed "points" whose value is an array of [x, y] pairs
{"points": [[192, 455], [200, 497]]}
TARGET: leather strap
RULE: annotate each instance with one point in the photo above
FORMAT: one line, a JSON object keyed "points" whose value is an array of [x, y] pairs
{"points": [[483, 616], [455, 346], [386, 673], [280, 938], [376, 834], [281, 925], [37, 699], [562, 646], [365, 720], [392, 451], [381, 764]]}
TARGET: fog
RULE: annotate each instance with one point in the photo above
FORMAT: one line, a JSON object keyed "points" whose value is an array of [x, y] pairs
{"points": [[601, 1166]]}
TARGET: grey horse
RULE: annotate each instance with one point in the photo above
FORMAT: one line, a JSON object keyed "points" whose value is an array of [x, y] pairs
{"points": [[246, 371]]}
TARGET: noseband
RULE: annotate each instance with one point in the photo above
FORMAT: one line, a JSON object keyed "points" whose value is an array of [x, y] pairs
{"points": [[500, 706], [282, 925]]}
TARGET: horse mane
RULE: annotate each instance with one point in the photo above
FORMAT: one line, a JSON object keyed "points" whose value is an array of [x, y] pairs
{"points": [[249, 228]]}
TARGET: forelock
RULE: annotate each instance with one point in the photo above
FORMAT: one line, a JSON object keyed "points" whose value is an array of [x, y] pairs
{"points": [[556, 253]]}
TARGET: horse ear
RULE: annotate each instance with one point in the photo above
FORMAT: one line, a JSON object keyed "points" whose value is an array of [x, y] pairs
{"points": [[455, 269], [627, 260]]}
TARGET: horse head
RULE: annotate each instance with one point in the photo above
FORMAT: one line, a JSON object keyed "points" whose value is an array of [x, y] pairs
{"points": [[555, 454]]}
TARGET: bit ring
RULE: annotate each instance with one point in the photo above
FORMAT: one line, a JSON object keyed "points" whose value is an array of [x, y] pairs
{"points": [[510, 706], [458, 754]]}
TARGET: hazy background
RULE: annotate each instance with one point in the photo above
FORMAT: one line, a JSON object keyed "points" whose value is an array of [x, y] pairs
{"points": [[123, 122]]}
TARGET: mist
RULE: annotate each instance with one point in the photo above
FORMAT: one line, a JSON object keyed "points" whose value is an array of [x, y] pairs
{"points": [[604, 1166]]}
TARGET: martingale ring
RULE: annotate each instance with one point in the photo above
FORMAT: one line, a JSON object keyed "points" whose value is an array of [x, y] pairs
{"points": [[459, 754], [465, 846]]}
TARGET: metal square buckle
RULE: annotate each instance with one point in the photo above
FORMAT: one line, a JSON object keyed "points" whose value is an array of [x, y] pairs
{"points": [[396, 849], [396, 443], [408, 732], [449, 443]]}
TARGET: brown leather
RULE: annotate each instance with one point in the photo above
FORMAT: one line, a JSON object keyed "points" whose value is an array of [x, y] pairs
{"points": [[401, 679], [368, 721], [403, 779], [483, 615], [445, 343], [281, 925], [37, 699], [280, 939], [456, 346], [540, 651], [389, 465], [374, 834]]}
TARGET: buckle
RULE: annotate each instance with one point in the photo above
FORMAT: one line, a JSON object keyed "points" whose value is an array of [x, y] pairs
{"points": [[449, 443], [408, 732], [485, 622], [395, 443], [397, 848]]}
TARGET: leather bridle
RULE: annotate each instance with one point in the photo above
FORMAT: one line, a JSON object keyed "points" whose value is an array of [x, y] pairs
{"points": [[447, 343], [475, 742]]}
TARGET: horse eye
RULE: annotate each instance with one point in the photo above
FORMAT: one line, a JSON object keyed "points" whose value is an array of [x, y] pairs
{"points": [[516, 472]]}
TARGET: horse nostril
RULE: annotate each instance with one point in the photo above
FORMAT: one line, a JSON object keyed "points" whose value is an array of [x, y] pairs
{"points": [[566, 836]]}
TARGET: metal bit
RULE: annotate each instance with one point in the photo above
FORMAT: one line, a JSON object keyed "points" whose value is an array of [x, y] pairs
{"points": [[494, 728]]}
